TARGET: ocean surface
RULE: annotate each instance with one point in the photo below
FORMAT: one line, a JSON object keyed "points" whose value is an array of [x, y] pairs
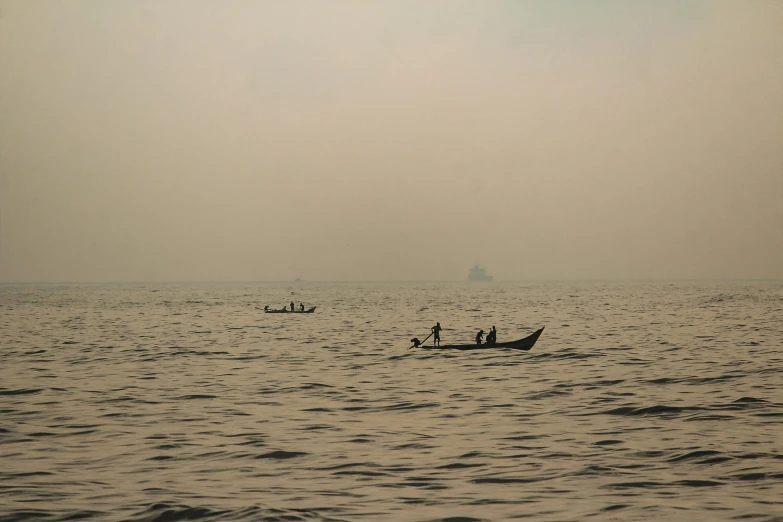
{"points": [[167, 402]]}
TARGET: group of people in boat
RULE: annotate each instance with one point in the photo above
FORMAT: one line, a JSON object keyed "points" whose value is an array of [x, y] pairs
{"points": [[491, 339], [284, 309], [492, 336]]}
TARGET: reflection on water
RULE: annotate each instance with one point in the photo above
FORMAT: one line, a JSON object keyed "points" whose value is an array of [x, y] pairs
{"points": [[185, 402]]}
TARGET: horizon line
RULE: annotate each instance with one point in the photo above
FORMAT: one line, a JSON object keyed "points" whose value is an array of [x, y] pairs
{"points": [[290, 281]]}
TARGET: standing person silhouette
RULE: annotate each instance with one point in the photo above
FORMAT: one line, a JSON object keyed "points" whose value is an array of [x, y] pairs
{"points": [[301, 307], [492, 336], [292, 306], [436, 334], [479, 337]]}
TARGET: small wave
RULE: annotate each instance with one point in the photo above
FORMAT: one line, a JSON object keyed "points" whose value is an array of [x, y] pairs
{"points": [[126, 398], [566, 356], [546, 395], [314, 385], [459, 465], [714, 460], [594, 470], [713, 418], [472, 454], [757, 476], [598, 384], [510, 480], [21, 392], [188, 352], [281, 455], [694, 455], [48, 516], [750, 400], [652, 484], [165, 512], [361, 473], [413, 445], [458, 519], [408, 406], [526, 437], [403, 406], [29, 474], [347, 465], [256, 443], [698, 483], [314, 427]]}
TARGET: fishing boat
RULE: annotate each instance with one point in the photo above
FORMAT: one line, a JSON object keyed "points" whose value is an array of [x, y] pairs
{"points": [[287, 311], [526, 343]]}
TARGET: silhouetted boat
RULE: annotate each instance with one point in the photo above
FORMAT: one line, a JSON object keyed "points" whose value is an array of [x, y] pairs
{"points": [[477, 273], [520, 344], [287, 311]]}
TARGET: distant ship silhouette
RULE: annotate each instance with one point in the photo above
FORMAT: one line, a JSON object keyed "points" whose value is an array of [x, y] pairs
{"points": [[478, 274]]}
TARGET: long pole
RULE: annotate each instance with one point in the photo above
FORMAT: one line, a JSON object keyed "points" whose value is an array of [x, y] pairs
{"points": [[430, 335]]}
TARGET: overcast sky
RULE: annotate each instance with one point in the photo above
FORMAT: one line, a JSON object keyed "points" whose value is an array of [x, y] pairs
{"points": [[370, 140]]}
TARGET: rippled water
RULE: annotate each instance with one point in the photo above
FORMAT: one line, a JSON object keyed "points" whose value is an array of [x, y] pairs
{"points": [[184, 402]]}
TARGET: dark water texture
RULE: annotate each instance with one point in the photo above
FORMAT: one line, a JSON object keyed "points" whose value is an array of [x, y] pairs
{"points": [[183, 402]]}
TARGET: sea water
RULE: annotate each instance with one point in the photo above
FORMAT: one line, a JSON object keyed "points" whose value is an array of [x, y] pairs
{"points": [[165, 402]]}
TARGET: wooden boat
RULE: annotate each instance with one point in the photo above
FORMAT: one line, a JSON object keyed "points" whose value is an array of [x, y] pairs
{"points": [[526, 343], [287, 311]]}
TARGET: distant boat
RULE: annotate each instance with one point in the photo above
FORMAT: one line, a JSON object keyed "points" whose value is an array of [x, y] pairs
{"points": [[287, 311], [478, 274]]}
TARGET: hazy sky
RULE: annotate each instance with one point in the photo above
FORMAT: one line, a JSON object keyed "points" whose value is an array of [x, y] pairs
{"points": [[369, 140]]}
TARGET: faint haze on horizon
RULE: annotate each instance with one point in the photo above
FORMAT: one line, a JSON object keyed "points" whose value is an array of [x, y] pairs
{"points": [[195, 140]]}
